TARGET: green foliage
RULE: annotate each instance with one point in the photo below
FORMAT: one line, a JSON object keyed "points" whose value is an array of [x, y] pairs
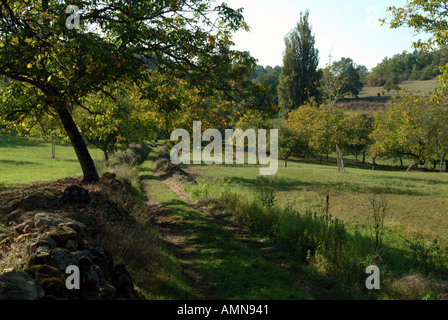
{"points": [[299, 76], [431, 255], [269, 78], [49, 68], [418, 65], [411, 126], [425, 17], [351, 75]]}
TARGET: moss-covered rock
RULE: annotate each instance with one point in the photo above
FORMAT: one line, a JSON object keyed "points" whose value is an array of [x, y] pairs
{"points": [[41, 272], [54, 287]]}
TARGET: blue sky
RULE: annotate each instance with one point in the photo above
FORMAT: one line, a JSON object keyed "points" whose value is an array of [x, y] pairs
{"points": [[346, 28]]}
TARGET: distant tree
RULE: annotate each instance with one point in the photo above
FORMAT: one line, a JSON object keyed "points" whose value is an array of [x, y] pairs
{"points": [[350, 75], [298, 80], [108, 124], [405, 66], [425, 17], [290, 143], [269, 78], [42, 128]]}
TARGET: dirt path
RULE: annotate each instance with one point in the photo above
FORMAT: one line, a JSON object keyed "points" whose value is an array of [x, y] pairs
{"points": [[177, 241], [185, 249]]}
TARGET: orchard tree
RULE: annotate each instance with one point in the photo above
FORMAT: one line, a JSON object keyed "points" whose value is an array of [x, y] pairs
{"points": [[287, 143], [359, 128], [51, 60], [299, 78], [107, 123], [405, 128], [301, 123], [42, 128]]}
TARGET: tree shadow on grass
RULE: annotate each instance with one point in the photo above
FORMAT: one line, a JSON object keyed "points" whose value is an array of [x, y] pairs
{"points": [[289, 184], [10, 140], [17, 162]]}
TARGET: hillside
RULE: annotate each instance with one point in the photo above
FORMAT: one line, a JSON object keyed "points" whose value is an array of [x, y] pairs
{"points": [[372, 98]]}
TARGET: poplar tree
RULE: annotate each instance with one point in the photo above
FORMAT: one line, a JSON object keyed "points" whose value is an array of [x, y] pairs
{"points": [[299, 77]]}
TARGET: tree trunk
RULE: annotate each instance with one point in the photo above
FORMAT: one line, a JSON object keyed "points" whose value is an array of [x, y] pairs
{"points": [[340, 159], [363, 157], [373, 163], [443, 159], [85, 160], [414, 165], [401, 162], [53, 148]]}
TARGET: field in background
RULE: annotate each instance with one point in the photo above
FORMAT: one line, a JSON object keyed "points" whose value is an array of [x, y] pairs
{"points": [[371, 99], [416, 201], [425, 86], [23, 161]]}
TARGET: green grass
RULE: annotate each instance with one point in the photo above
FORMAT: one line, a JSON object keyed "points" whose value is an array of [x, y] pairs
{"points": [[370, 99], [232, 269], [425, 86], [23, 161], [412, 264], [416, 201]]}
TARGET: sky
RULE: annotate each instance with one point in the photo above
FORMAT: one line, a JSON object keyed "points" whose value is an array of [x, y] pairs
{"points": [[342, 28]]}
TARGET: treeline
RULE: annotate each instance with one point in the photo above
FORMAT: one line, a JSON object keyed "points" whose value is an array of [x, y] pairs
{"points": [[405, 66], [411, 126], [269, 78]]}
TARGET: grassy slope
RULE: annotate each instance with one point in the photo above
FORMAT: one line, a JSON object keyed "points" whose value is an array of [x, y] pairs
{"points": [[426, 86], [371, 99]]}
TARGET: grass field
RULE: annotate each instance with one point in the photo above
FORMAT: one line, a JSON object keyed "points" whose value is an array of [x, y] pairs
{"points": [[425, 86], [23, 161], [371, 99], [231, 268], [345, 234], [415, 215], [417, 201]]}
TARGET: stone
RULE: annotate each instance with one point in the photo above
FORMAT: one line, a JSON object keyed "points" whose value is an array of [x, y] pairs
{"points": [[104, 266], [41, 255], [26, 237], [75, 193], [24, 227], [49, 219], [122, 281], [54, 287], [71, 245], [91, 275], [41, 272], [18, 285], [61, 258], [61, 234]]}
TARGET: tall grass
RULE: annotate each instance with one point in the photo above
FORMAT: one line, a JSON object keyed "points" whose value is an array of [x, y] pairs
{"points": [[327, 246]]}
